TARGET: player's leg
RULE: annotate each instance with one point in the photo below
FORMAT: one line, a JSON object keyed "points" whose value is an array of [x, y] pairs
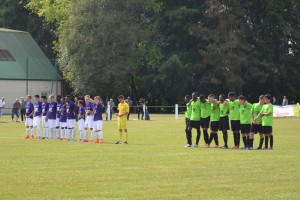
{"points": [[17, 115], [120, 131], [270, 137], [188, 133], [197, 126]]}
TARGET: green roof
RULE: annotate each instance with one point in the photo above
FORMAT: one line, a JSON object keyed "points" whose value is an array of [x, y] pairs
{"points": [[25, 52]]}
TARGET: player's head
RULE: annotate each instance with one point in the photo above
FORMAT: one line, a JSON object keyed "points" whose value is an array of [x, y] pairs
{"points": [[68, 98], [44, 98], [80, 103], [195, 96], [211, 98], [51, 98], [202, 98], [28, 98], [242, 99], [121, 99], [261, 99], [267, 98], [87, 98], [36, 98], [58, 98], [63, 100], [97, 99], [187, 98], [231, 96], [222, 97]]}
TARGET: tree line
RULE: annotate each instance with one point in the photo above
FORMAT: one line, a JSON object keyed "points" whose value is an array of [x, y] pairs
{"points": [[162, 50]]}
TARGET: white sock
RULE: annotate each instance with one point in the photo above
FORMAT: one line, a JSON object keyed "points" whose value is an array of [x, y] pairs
{"points": [[62, 133], [58, 132], [86, 134], [53, 131], [101, 135], [74, 133], [27, 131], [47, 131], [67, 132], [38, 130], [81, 134], [92, 134], [32, 131]]}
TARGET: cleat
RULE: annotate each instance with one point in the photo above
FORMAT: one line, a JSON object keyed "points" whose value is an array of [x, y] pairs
{"points": [[101, 141], [32, 137], [259, 148], [85, 140], [27, 137], [224, 147], [97, 141], [125, 142], [118, 142], [206, 146], [91, 141], [216, 146], [196, 145], [188, 145], [265, 148]]}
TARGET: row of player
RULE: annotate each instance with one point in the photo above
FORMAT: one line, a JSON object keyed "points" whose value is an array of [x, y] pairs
{"points": [[247, 118], [58, 118]]}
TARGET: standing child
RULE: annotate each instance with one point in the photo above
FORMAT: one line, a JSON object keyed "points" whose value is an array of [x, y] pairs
{"points": [[81, 116], [214, 121], [98, 121], [70, 106], [256, 124], [245, 120], [29, 118], [89, 120], [45, 109], [58, 106], [188, 113], [234, 114], [224, 119], [63, 119], [37, 115], [123, 108], [52, 116]]}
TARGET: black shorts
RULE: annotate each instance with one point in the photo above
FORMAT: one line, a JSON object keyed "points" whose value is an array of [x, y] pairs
{"points": [[235, 125], [245, 128], [256, 128], [195, 124], [267, 129], [204, 122], [214, 126], [224, 123]]}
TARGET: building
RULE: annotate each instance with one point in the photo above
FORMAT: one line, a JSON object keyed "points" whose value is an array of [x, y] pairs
{"points": [[24, 68]]}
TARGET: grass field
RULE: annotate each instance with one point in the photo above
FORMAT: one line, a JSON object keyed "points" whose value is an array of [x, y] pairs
{"points": [[155, 165]]}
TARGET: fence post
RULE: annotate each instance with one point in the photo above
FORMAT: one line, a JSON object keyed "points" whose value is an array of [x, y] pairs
{"points": [[144, 111], [108, 112], [176, 111]]}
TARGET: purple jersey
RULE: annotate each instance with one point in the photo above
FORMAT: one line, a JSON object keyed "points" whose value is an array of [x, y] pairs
{"points": [[63, 114], [98, 112], [58, 105], [81, 112], [29, 109], [52, 110], [45, 108], [37, 109], [89, 106], [70, 110]]}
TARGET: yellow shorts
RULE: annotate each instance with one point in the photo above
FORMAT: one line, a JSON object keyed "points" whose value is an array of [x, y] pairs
{"points": [[122, 123]]}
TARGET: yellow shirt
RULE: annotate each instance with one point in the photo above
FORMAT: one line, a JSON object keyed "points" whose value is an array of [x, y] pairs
{"points": [[123, 108]]}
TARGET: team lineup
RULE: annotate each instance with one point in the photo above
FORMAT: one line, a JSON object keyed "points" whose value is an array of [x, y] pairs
{"points": [[58, 118], [246, 119]]}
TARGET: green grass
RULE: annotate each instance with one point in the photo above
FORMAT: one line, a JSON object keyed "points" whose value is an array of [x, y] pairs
{"points": [[155, 165]]}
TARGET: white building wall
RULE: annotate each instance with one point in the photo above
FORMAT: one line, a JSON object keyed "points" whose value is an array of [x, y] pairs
{"points": [[12, 89]]}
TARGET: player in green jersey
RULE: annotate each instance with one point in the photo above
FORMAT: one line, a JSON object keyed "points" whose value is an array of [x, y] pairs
{"points": [[256, 124], [267, 121], [214, 120], [195, 116], [205, 117], [188, 114], [234, 114], [245, 120], [224, 120]]}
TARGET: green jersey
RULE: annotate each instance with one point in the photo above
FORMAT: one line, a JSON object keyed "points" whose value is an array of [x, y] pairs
{"points": [[188, 112], [196, 110], [234, 109], [224, 109], [267, 120], [215, 112], [246, 113], [256, 108], [205, 109]]}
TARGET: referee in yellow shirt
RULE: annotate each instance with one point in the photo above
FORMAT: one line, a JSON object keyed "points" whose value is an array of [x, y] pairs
{"points": [[123, 108]]}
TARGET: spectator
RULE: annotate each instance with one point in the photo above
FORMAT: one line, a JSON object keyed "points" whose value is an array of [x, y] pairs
{"points": [[15, 110], [285, 101], [130, 103], [140, 110], [2, 105], [112, 105], [275, 102], [23, 108]]}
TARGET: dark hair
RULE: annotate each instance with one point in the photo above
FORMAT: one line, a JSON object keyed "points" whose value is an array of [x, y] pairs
{"points": [[223, 96], [211, 95], [241, 97], [261, 96], [43, 97], [187, 96], [58, 96], [202, 96], [268, 96], [231, 94], [80, 102], [37, 96], [121, 97], [68, 96]]}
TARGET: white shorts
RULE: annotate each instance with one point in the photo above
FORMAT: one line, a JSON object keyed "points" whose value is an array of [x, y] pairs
{"points": [[89, 121], [63, 124], [28, 122], [57, 122], [98, 125], [71, 123], [44, 122], [81, 124], [52, 123], [36, 121]]}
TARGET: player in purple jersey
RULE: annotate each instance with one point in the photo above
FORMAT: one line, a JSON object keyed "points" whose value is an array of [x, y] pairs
{"points": [[98, 119], [29, 118], [37, 115], [63, 119], [58, 104], [45, 109], [70, 118], [52, 116], [89, 120], [81, 116]]}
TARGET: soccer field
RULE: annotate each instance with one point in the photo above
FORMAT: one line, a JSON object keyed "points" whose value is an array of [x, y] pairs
{"points": [[155, 165]]}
